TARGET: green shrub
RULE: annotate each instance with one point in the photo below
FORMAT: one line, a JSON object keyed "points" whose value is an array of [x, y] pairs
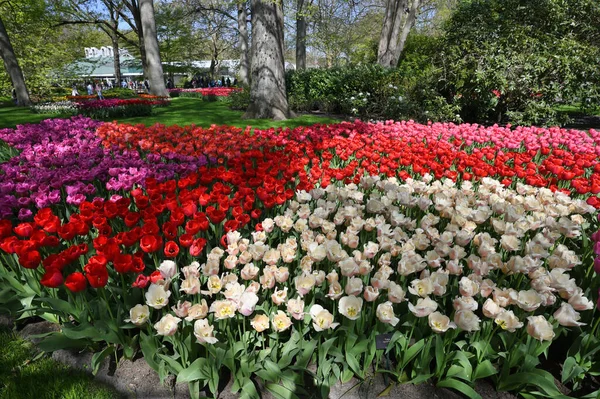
{"points": [[211, 98], [514, 60], [239, 100], [126, 111], [119, 92], [371, 91]]}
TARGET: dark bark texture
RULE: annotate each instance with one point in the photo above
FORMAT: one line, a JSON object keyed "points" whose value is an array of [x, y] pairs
{"points": [[268, 98], [300, 36], [155, 70]]}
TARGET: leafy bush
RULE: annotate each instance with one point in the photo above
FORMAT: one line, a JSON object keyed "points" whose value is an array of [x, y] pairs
{"points": [[371, 91], [513, 60], [126, 111], [240, 100], [210, 98], [118, 92]]}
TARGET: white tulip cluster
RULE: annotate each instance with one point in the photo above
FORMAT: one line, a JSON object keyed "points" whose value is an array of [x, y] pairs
{"points": [[383, 240]]}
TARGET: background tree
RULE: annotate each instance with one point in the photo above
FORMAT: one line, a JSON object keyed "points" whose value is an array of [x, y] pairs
{"points": [[154, 66], [268, 98], [398, 19], [225, 23], [12, 67]]}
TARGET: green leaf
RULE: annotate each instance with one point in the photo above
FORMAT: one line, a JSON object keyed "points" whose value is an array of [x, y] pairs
{"points": [[484, 370], [308, 349], [386, 391], [346, 376], [172, 363], [82, 331], [58, 304], [56, 341], [280, 392], [148, 346], [541, 379], [465, 363], [353, 364], [420, 378], [194, 372], [194, 387], [98, 357], [249, 390], [593, 395], [571, 370], [213, 381], [412, 352], [460, 387], [440, 356]]}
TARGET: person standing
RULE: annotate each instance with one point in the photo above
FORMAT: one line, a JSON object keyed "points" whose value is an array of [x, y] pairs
{"points": [[99, 91], [90, 89], [147, 85], [14, 96], [74, 91]]}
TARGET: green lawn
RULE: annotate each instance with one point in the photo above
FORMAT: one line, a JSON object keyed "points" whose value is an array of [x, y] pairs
{"points": [[182, 111], [22, 377], [576, 109]]}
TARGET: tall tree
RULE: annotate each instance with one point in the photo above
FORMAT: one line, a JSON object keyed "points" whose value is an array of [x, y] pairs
{"points": [[155, 70], [242, 17], [268, 98], [398, 20], [136, 25], [12, 67], [112, 29], [300, 35]]}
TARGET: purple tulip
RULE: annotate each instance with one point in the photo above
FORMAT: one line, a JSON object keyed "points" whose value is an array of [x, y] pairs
{"points": [[66, 154]]}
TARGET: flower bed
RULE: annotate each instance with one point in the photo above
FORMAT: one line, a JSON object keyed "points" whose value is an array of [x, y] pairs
{"points": [[62, 162], [65, 108], [553, 158], [474, 252], [103, 109]]}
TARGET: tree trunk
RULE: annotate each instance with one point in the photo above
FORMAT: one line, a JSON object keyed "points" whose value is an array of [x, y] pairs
{"points": [[408, 22], [300, 36], [137, 18], [12, 67], [116, 58], [399, 18], [243, 72], [394, 9], [268, 98], [155, 70], [214, 59]]}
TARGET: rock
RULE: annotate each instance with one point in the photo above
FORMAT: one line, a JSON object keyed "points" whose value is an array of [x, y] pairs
{"points": [[41, 327], [6, 322]]}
